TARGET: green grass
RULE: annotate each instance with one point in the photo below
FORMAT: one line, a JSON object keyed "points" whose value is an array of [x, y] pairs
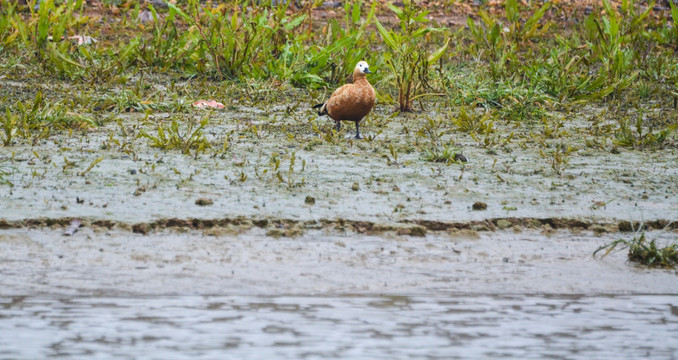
{"points": [[644, 252], [184, 133], [517, 64], [5, 171]]}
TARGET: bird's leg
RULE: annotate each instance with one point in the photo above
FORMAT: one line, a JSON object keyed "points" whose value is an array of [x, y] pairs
{"points": [[338, 126], [357, 130]]}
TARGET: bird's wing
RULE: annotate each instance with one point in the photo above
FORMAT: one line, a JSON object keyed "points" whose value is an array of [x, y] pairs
{"points": [[339, 97]]}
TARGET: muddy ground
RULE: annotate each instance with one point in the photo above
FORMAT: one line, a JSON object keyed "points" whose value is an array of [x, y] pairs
{"points": [[349, 217], [342, 178], [97, 262]]}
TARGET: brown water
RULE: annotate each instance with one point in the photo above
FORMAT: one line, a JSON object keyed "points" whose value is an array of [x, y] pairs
{"points": [[346, 327]]}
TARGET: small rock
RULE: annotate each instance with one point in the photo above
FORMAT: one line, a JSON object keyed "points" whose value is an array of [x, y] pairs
{"points": [[261, 223], [615, 150], [159, 4], [479, 205], [480, 227], [142, 228], [139, 191], [503, 224], [419, 231], [464, 234], [505, 259], [598, 229], [546, 229], [310, 200], [220, 231], [460, 157], [355, 186], [276, 233], [204, 202], [133, 171], [145, 16], [331, 4], [294, 232]]}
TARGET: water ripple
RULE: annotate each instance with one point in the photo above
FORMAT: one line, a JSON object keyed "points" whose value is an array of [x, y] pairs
{"points": [[360, 327]]}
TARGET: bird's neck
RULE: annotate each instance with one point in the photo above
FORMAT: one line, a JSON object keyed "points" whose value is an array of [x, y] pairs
{"points": [[359, 78]]}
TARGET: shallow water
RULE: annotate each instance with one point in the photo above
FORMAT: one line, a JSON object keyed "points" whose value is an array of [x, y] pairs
{"points": [[347, 327]]}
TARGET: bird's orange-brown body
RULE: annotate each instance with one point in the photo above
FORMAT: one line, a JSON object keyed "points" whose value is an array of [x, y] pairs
{"points": [[351, 102]]}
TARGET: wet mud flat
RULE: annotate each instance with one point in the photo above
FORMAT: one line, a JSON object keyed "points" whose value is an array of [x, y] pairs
{"points": [[284, 165], [119, 263], [329, 294], [341, 238]]}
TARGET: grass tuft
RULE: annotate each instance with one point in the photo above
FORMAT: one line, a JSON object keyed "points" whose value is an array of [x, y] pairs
{"points": [[644, 252]]}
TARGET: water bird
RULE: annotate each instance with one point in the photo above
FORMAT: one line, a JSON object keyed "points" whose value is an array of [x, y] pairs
{"points": [[351, 102]]}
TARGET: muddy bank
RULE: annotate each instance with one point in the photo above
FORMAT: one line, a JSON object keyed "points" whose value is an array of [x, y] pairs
{"points": [[292, 228], [281, 167], [120, 263]]}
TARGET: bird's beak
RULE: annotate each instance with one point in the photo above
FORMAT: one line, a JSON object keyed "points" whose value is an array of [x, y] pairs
{"points": [[367, 71]]}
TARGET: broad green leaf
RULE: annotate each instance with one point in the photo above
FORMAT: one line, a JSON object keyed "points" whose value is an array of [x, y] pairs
{"points": [[37, 102], [355, 14], [487, 19], [421, 32], [609, 9], [154, 12], [395, 9], [64, 58], [625, 6], [512, 12], [532, 22], [438, 53], [638, 20], [474, 30], [369, 18], [386, 35], [613, 28], [422, 17], [179, 11], [295, 22], [234, 21], [494, 34]]}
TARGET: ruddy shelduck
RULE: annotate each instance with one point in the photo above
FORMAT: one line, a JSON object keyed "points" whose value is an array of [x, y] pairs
{"points": [[351, 102]]}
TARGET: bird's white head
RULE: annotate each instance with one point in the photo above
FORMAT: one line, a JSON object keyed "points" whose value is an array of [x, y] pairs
{"points": [[363, 67]]}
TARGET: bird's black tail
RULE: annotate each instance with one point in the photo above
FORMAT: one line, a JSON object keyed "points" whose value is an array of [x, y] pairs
{"points": [[324, 112]]}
